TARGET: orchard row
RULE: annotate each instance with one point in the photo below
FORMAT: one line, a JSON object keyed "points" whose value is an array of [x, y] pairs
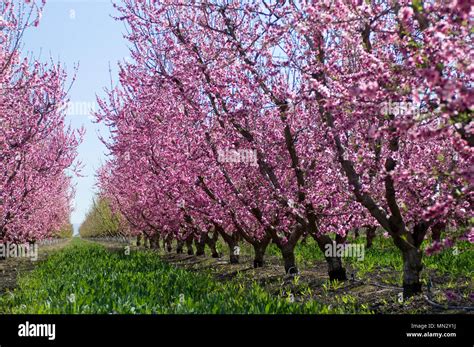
{"points": [[36, 148], [277, 120]]}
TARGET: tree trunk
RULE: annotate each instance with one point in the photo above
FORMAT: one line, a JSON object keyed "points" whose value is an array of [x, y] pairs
{"points": [[258, 260], [288, 253], [211, 242], [409, 244], [335, 269], [139, 240], [155, 241], [356, 233], [370, 234], [234, 250], [3, 255], [436, 231], [189, 245], [179, 246], [167, 242], [233, 244], [341, 239], [412, 267], [200, 246], [259, 248]]}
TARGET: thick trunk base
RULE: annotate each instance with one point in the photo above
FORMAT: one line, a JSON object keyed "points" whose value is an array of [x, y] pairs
{"points": [[234, 259], [412, 267], [234, 251], [370, 235], [155, 242], [189, 246], [290, 263], [436, 231], [232, 242], [139, 241], [259, 250], [212, 243], [412, 289], [337, 274], [258, 263], [335, 269], [291, 269], [179, 247], [356, 233], [200, 247]]}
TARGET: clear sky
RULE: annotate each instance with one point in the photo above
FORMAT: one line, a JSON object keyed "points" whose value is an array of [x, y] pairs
{"points": [[82, 32]]}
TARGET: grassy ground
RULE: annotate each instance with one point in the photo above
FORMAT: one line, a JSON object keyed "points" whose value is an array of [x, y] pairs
{"points": [[90, 278], [376, 279], [13, 268]]}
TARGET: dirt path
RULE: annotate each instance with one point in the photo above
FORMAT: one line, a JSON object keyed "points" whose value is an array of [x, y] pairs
{"points": [[11, 268]]}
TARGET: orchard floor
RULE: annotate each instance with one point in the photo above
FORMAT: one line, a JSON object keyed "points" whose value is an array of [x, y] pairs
{"points": [[373, 285], [12, 268], [376, 287]]}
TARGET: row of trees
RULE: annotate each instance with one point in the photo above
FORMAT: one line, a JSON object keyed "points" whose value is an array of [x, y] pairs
{"points": [[102, 221], [35, 146], [274, 120]]}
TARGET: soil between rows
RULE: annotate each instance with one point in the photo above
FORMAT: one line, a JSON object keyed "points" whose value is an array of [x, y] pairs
{"points": [[312, 283], [11, 267]]}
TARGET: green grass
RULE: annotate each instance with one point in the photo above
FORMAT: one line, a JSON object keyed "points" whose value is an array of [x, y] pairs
{"points": [[86, 278], [384, 255]]}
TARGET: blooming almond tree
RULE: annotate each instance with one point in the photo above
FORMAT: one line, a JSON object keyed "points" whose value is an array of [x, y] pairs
{"points": [[294, 188], [392, 83], [355, 113], [35, 146]]}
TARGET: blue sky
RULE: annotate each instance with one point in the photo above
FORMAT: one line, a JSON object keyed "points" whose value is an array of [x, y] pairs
{"points": [[82, 32]]}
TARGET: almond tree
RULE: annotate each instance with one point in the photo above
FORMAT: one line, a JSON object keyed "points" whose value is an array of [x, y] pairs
{"points": [[392, 83], [35, 146]]}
